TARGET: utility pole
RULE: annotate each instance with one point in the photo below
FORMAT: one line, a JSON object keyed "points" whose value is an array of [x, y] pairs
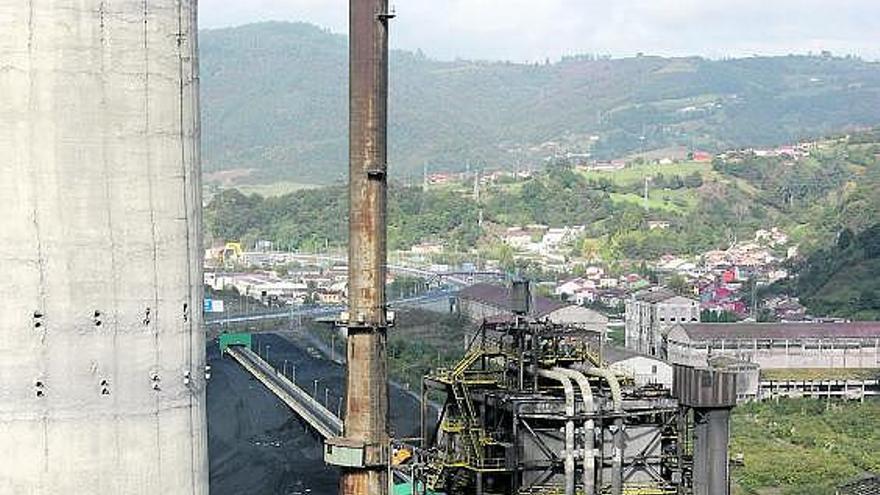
{"points": [[425, 176], [363, 451]]}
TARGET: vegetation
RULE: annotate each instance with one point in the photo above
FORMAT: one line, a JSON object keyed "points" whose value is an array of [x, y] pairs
{"points": [[261, 123], [310, 219], [804, 447], [422, 343], [841, 280], [705, 206]]}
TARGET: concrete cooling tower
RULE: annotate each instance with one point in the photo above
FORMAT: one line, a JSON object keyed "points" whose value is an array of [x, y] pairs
{"points": [[102, 355]]}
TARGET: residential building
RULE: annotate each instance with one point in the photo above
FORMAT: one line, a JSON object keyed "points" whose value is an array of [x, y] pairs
{"points": [[650, 313]]}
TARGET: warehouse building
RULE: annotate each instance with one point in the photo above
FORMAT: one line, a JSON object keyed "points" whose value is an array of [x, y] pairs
{"points": [[778, 345]]}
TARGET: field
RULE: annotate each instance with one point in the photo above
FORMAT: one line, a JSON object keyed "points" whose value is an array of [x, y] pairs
{"points": [[637, 174], [274, 189], [680, 201]]}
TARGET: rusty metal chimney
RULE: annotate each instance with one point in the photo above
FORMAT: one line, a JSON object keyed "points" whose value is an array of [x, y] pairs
{"points": [[363, 452]]}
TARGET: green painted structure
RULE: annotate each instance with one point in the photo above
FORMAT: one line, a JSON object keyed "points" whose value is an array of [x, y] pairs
{"points": [[407, 489], [242, 339]]}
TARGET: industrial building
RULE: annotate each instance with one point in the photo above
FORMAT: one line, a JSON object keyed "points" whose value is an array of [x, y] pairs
{"points": [[778, 345], [649, 315], [102, 380], [642, 369], [488, 301], [771, 360]]}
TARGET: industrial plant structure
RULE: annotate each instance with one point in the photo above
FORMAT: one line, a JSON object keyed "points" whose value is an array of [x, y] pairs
{"points": [[102, 379], [533, 409]]}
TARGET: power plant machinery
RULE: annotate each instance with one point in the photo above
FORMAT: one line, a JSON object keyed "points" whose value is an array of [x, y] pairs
{"points": [[102, 352], [533, 408]]}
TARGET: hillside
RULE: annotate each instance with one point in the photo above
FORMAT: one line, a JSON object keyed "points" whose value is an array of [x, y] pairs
{"points": [[705, 205], [275, 105], [842, 279]]}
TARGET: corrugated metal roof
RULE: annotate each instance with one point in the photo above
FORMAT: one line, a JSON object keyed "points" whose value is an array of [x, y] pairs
{"points": [[614, 354], [499, 297], [708, 331], [867, 485]]}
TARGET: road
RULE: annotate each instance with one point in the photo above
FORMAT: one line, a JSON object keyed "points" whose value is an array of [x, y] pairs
{"points": [[317, 312]]}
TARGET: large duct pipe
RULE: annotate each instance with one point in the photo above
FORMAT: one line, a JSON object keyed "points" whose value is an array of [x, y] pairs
{"points": [[711, 438], [366, 411], [617, 401], [589, 456], [557, 375]]}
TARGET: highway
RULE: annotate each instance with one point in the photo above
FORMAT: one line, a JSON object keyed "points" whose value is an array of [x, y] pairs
{"points": [[317, 312]]}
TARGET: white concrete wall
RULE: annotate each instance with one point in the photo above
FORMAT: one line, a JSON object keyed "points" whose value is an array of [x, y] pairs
{"points": [[645, 370], [825, 353], [100, 245]]}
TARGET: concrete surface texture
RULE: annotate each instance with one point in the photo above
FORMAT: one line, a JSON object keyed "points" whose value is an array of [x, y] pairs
{"points": [[102, 385]]}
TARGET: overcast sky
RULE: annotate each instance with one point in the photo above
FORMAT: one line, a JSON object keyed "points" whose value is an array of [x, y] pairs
{"points": [[521, 30]]}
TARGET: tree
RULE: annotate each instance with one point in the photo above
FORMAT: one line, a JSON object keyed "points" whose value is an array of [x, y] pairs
{"points": [[679, 285], [869, 240], [709, 316], [590, 249], [869, 299], [845, 239]]}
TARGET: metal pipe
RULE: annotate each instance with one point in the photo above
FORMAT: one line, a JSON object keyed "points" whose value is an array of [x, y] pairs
{"points": [[711, 437], [366, 406], [617, 401], [589, 454], [569, 425]]}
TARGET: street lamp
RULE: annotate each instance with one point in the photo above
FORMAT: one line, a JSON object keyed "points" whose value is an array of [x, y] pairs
{"points": [[333, 345], [315, 395]]}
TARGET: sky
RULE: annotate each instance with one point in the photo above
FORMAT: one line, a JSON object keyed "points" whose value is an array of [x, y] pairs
{"points": [[536, 30]]}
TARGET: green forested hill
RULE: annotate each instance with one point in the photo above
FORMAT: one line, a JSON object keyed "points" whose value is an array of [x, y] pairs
{"points": [[275, 105], [843, 279]]}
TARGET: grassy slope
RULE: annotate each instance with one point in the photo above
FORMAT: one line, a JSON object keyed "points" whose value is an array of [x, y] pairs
{"points": [[804, 447], [637, 174]]}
